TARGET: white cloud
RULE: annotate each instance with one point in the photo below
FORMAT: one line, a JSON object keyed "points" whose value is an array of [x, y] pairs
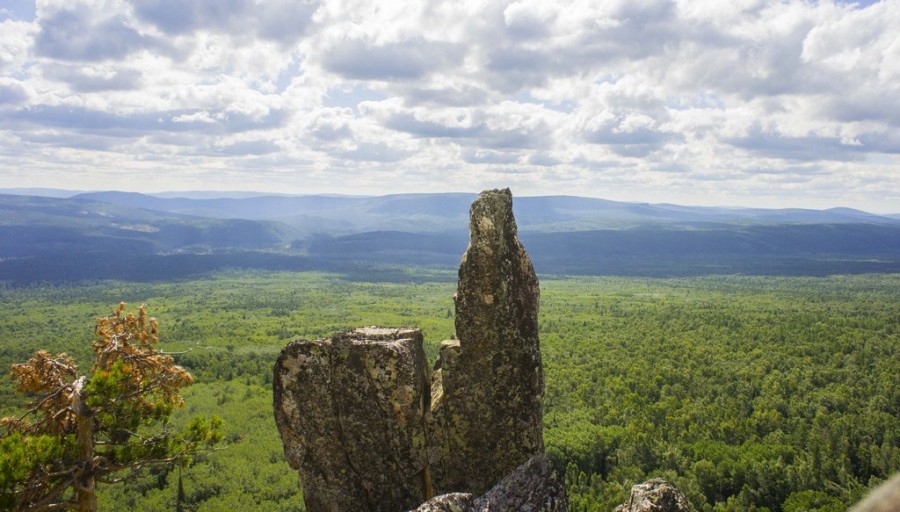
{"points": [[196, 117], [695, 101], [15, 42]]}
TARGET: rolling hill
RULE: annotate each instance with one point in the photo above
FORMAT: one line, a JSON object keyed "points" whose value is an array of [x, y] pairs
{"points": [[138, 236], [449, 211]]}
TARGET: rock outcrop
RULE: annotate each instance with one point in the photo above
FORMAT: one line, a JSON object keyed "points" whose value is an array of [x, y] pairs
{"points": [[486, 392], [655, 496], [450, 502], [350, 411], [368, 428], [535, 486]]}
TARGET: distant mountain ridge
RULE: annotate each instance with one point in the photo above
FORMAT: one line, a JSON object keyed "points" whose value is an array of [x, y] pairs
{"points": [[103, 231], [271, 206], [39, 192], [445, 211]]}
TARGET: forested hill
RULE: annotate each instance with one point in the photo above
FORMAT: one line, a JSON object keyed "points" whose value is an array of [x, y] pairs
{"points": [[440, 212], [144, 237]]}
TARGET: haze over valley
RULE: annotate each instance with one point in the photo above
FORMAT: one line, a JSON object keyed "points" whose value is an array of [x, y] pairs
{"points": [[151, 237]]}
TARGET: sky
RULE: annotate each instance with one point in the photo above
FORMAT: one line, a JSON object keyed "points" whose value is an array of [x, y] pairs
{"points": [[792, 103]]}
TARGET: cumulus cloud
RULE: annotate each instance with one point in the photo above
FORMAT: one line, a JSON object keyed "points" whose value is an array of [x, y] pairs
{"points": [[248, 147], [454, 95], [411, 59], [481, 156], [329, 129], [277, 20], [11, 93], [668, 100], [74, 34], [92, 78], [628, 135], [807, 148], [481, 133], [373, 152], [16, 40]]}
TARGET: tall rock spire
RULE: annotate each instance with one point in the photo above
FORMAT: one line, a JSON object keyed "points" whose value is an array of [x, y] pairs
{"points": [[486, 405], [367, 432]]}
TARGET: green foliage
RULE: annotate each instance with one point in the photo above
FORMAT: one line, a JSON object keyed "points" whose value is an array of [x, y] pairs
{"points": [[747, 389], [23, 455], [249, 474], [78, 430], [748, 393], [812, 501]]}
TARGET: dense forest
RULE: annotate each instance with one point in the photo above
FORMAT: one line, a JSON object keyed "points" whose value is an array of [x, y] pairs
{"points": [[749, 393]]}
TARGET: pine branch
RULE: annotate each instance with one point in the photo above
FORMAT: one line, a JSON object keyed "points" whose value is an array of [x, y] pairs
{"points": [[45, 503]]}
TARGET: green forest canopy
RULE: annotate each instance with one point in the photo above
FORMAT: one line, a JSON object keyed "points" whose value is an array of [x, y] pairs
{"points": [[746, 392]]}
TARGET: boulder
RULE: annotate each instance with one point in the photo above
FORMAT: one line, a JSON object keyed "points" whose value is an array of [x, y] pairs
{"points": [[535, 486], [655, 496], [451, 502]]}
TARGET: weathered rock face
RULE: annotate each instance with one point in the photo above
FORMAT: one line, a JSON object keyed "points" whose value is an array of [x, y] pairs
{"points": [[655, 496], [369, 429], [350, 411], [535, 486], [452, 502], [486, 410]]}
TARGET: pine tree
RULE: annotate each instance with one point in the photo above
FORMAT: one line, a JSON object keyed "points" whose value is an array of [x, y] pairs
{"points": [[80, 430]]}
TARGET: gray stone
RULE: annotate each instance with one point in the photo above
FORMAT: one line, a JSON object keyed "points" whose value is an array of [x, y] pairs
{"points": [[452, 502], [486, 416], [350, 411], [655, 496], [535, 486]]}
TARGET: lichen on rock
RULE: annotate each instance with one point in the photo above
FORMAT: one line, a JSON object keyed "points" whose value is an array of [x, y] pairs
{"points": [[451, 502], [655, 496], [489, 418], [350, 411], [534, 486]]}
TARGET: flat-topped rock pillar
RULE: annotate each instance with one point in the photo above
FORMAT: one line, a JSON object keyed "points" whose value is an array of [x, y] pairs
{"points": [[350, 411]]}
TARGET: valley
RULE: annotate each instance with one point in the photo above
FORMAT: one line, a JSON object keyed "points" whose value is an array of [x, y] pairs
{"points": [[749, 393], [115, 235]]}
